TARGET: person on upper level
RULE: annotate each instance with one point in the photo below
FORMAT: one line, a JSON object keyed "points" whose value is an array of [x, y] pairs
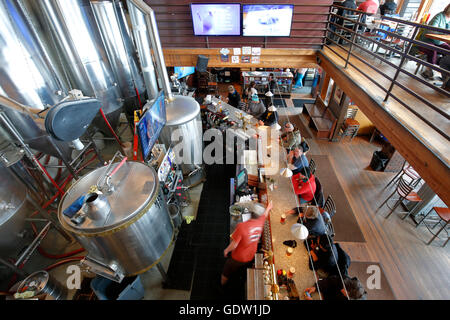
{"points": [[388, 7], [441, 20], [370, 7]]}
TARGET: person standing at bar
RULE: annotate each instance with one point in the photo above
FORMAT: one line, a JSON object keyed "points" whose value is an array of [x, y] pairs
{"points": [[243, 243]]}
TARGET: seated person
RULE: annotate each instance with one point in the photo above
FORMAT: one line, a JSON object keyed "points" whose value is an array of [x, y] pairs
{"points": [[388, 7], [234, 98], [269, 117], [297, 160], [324, 254], [313, 221], [332, 288], [256, 107], [370, 7], [291, 137], [304, 185], [441, 20]]}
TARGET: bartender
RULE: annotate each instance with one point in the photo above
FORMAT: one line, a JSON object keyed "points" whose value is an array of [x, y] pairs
{"points": [[244, 243]]}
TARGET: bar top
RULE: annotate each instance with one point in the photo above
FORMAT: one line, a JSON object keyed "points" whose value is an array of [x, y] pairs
{"points": [[284, 199]]}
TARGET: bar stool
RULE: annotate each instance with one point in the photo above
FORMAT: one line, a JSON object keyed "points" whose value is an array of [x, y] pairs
{"points": [[407, 171], [405, 192], [312, 166], [444, 216]]}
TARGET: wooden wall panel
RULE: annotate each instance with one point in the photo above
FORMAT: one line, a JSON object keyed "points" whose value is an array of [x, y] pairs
{"points": [[176, 30], [282, 58]]}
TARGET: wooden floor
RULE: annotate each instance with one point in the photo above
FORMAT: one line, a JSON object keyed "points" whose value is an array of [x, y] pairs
{"points": [[435, 141], [413, 269]]}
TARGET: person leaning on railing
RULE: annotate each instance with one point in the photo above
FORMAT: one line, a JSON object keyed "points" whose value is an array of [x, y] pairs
{"points": [[441, 20]]}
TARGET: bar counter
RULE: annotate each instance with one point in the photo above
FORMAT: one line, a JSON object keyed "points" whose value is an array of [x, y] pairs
{"points": [[283, 197]]}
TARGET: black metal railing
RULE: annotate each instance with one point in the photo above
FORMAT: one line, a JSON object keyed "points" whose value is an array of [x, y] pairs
{"points": [[353, 36]]}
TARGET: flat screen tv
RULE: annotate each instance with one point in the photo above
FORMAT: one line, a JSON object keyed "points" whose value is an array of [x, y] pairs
{"points": [[267, 20], [213, 19], [184, 71], [151, 124]]}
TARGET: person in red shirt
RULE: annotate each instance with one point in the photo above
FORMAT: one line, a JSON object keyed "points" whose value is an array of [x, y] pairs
{"points": [[369, 6], [243, 243], [304, 185]]}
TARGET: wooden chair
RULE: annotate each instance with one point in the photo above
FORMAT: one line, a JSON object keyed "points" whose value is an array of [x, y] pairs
{"points": [[405, 192], [443, 215]]}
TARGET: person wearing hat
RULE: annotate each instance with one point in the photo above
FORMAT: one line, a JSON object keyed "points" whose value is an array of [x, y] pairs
{"points": [[304, 185], [244, 242], [256, 108], [269, 117], [335, 288], [234, 99], [291, 137]]}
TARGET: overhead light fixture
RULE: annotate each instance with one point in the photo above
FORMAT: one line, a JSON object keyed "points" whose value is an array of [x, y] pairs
{"points": [[299, 231], [286, 172]]}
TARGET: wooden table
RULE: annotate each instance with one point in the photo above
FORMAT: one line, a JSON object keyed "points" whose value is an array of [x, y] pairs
{"points": [[440, 37]]}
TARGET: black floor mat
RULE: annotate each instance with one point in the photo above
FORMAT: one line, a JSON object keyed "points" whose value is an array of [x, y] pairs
{"points": [[298, 103], [181, 267], [212, 232], [279, 103]]}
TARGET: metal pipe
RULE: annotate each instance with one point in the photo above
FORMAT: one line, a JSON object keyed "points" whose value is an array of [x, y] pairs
{"points": [[156, 45], [27, 253], [143, 46]]}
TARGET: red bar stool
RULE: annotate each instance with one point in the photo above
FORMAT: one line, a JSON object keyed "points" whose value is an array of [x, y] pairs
{"points": [[444, 216], [405, 192], [407, 171]]}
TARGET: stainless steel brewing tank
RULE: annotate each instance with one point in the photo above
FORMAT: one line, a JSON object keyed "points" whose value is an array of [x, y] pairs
{"points": [[119, 47], [136, 232], [75, 44], [26, 72], [185, 126], [14, 209]]}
